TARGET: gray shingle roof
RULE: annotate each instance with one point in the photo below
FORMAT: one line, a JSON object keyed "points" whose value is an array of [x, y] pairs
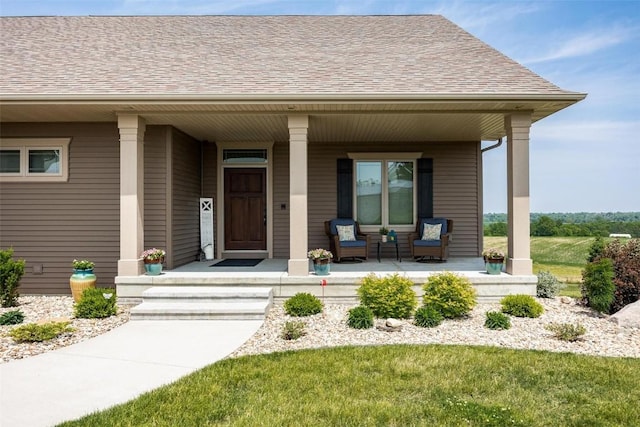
{"points": [[254, 55]]}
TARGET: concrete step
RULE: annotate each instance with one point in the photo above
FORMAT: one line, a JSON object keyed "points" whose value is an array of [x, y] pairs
{"points": [[203, 303], [206, 294], [200, 311]]}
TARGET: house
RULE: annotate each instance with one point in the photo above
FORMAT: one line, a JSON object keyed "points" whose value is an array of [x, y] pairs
{"points": [[113, 128]]}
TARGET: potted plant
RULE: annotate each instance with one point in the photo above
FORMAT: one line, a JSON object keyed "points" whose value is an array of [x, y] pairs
{"points": [[321, 261], [383, 233], [493, 259], [153, 259], [82, 277]]}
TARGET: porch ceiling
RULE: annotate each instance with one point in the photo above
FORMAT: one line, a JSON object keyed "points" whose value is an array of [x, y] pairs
{"points": [[434, 120]]}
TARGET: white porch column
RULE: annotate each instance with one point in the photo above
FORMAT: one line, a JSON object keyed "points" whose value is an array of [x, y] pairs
{"points": [[298, 228], [132, 129], [519, 258]]}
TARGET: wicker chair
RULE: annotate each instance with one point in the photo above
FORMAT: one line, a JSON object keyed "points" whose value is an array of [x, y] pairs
{"points": [[424, 250], [358, 248]]}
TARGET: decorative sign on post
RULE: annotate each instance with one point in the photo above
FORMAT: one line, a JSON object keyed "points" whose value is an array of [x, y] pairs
{"points": [[206, 227]]}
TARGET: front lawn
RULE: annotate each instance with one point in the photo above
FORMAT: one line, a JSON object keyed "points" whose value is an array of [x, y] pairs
{"points": [[399, 385]]}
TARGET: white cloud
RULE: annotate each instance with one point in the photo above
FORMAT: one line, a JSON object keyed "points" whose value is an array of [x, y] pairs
{"points": [[584, 44], [480, 16]]}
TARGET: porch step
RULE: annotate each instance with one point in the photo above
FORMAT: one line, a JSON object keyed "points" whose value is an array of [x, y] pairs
{"points": [[203, 303]]}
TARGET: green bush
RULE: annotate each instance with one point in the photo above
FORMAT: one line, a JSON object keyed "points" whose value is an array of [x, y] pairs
{"points": [[497, 320], [12, 317], [360, 317], [302, 304], [450, 294], [521, 306], [567, 331], [34, 332], [11, 271], [548, 285], [389, 296], [293, 330], [597, 285], [96, 303], [428, 317], [596, 249]]}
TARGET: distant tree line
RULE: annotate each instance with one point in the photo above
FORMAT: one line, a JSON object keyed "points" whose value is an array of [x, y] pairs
{"points": [[570, 224]]}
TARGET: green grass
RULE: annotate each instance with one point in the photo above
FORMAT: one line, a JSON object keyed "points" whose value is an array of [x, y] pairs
{"points": [[402, 385]]}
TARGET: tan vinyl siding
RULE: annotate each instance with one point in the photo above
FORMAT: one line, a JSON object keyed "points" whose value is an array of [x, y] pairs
{"points": [[185, 190], [455, 185], [280, 197], [209, 177], [50, 224], [156, 140]]}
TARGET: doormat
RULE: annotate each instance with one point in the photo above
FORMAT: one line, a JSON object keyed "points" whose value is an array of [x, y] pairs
{"points": [[250, 262]]}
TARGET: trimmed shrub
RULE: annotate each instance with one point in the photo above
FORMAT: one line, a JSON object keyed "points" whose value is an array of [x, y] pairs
{"points": [[497, 320], [428, 317], [302, 304], [11, 271], [597, 285], [567, 331], [12, 317], [521, 306], [452, 295], [34, 332], [360, 317], [96, 303], [548, 285], [292, 330], [389, 296]]}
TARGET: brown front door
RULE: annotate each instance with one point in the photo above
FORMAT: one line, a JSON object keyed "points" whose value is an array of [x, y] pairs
{"points": [[245, 209]]}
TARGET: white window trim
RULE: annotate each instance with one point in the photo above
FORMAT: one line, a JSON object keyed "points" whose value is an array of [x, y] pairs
{"points": [[384, 158], [26, 144]]}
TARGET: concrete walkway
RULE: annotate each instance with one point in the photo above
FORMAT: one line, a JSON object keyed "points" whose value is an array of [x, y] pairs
{"points": [[112, 368]]}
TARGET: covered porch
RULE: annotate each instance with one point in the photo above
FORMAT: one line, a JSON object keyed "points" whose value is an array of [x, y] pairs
{"points": [[342, 282]]}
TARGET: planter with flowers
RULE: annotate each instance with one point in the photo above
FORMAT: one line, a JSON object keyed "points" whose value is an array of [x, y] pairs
{"points": [[82, 277], [153, 259], [321, 261], [493, 260]]}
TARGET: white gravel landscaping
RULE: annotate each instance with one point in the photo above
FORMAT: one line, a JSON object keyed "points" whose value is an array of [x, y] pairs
{"points": [[53, 308], [603, 337]]}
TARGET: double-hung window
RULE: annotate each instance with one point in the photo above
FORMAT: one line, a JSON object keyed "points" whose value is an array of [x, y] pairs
{"points": [[34, 160], [385, 189]]}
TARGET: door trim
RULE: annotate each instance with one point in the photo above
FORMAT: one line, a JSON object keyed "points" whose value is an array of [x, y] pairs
{"points": [[220, 166]]}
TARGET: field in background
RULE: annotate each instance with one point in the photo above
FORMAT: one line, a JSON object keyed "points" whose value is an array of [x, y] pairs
{"points": [[564, 257]]}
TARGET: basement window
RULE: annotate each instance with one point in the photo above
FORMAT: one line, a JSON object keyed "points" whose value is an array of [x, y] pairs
{"points": [[34, 160]]}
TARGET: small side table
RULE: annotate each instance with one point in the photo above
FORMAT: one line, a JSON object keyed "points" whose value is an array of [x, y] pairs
{"points": [[388, 243]]}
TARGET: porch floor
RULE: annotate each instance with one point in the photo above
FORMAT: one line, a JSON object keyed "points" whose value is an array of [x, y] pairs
{"points": [[342, 282]]}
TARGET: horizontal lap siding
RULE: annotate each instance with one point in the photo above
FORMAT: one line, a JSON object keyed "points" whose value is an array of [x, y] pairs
{"points": [[280, 197], [455, 185], [209, 179], [185, 244], [155, 186], [51, 223]]}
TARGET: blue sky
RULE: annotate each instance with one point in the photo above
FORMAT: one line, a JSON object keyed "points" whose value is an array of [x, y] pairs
{"points": [[585, 158]]}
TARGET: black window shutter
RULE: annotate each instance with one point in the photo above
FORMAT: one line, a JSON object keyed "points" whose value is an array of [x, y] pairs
{"points": [[425, 188], [345, 188]]}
